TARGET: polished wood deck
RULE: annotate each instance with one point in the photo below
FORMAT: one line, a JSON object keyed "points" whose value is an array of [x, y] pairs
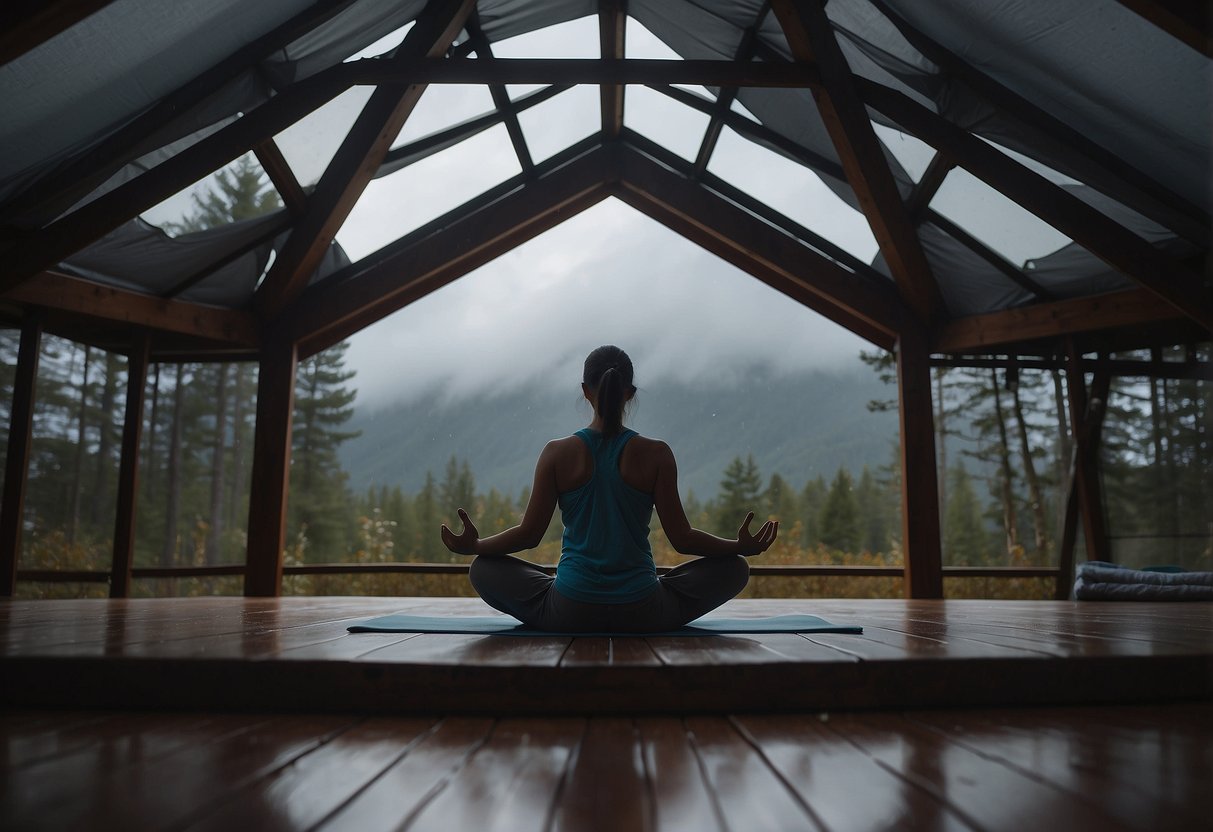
{"points": [[295, 653], [189, 714]]}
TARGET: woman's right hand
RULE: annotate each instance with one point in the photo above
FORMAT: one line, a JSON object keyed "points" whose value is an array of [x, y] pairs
{"points": [[756, 544], [463, 543]]}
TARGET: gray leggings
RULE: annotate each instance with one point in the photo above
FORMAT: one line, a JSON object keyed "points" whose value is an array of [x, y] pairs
{"points": [[686, 592]]}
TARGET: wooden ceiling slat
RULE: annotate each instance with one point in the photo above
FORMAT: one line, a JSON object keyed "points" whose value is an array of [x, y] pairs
{"points": [[1091, 161], [280, 173], [979, 333], [501, 99], [357, 160], [52, 290], [868, 307], [27, 24], [612, 27], [448, 248], [811, 38], [1115, 245], [97, 164]]}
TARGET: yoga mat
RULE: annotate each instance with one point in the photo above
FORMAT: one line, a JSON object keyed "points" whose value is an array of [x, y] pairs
{"points": [[504, 625]]}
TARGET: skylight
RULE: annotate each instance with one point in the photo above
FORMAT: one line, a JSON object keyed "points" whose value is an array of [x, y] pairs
{"points": [[561, 121]]}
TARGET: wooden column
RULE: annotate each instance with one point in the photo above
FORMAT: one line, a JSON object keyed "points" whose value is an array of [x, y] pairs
{"points": [[16, 465], [271, 465], [128, 470], [1085, 420], [919, 479]]}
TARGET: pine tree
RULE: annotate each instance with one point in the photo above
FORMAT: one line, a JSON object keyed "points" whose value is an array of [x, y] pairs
{"points": [[873, 516], [812, 499], [740, 492], [840, 515], [965, 541], [458, 488], [237, 193]]}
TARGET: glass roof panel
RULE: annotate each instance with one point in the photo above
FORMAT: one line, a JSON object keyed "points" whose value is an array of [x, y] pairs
{"points": [[665, 121], [913, 154], [639, 42], [310, 143], [234, 184], [1001, 224], [396, 204], [793, 190], [571, 39], [443, 105], [561, 121]]}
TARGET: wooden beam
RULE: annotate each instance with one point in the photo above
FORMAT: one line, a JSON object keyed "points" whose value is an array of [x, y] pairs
{"points": [[1085, 414], [448, 248], [270, 231], [1009, 270], [1178, 370], [920, 536], [1109, 241], [67, 235], [612, 27], [16, 461], [501, 98], [270, 156], [27, 24], [928, 186], [128, 471], [811, 38], [72, 294], [870, 308], [90, 169], [978, 333], [1086, 160], [270, 479], [357, 160], [1190, 22]]}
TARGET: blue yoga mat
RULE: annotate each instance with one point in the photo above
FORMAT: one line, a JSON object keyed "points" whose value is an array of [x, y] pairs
{"points": [[503, 625]]}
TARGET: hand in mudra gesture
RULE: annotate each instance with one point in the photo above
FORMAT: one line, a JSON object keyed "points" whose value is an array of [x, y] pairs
{"points": [[756, 544], [463, 543]]}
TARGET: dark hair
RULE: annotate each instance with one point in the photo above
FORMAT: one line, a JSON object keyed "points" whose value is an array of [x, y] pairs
{"points": [[608, 370]]}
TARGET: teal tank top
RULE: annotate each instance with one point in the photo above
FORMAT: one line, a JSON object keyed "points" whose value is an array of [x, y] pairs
{"points": [[605, 557]]}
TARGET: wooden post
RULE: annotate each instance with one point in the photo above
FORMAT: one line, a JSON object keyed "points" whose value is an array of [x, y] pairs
{"points": [[271, 465], [16, 465], [128, 470], [919, 478], [1084, 421]]}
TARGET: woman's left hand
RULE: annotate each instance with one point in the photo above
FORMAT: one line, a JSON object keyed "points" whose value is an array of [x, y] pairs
{"points": [[463, 543], [756, 544]]}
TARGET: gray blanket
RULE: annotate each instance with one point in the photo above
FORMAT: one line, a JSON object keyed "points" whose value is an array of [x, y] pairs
{"points": [[1099, 581]]}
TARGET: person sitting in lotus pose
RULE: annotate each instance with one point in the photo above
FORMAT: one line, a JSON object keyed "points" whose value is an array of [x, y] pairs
{"points": [[607, 480]]}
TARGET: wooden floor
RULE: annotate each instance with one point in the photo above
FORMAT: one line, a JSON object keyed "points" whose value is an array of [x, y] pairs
{"points": [[265, 714]]}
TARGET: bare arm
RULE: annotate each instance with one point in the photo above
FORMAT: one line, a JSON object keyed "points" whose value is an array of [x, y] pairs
{"points": [[528, 533], [688, 540]]}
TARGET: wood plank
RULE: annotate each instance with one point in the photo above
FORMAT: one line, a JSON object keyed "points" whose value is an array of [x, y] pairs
{"points": [[979, 333], [25, 25], [823, 768], [605, 787], [315, 786], [612, 30], [357, 160], [128, 470], [751, 795], [511, 782], [1106, 239], [426, 767], [919, 475], [457, 649], [54, 290], [683, 802], [16, 460], [985, 792], [280, 173], [270, 479], [609, 651], [811, 38]]}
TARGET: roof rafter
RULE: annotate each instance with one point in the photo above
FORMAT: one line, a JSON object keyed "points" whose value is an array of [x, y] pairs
{"points": [[868, 307], [357, 159], [977, 333], [27, 24], [811, 38], [1090, 161], [1188, 21], [711, 73], [501, 99], [1109, 241], [450, 246], [612, 29]]}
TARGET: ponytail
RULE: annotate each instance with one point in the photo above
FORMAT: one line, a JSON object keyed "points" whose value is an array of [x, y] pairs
{"points": [[610, 401], [608, 370]]}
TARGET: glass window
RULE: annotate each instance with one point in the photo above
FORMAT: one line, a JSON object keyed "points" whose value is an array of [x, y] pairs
{"points": [[237, 191], [665, 121], [561, 121], [309, 144]]}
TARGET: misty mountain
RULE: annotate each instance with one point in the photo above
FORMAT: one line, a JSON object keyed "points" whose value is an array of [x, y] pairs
{"points": [[800, 425]]}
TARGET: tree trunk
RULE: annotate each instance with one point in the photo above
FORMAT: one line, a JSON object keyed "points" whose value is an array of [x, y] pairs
{"points": [[941, 429], [1009, 519], [173, 490], [218, 449], [1064, 448], [1040, 536], [73, 527], [105, 440], [238, 445], [149, 459]]}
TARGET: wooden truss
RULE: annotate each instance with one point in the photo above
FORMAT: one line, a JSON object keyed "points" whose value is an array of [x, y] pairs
{"points": [[291, 318]]}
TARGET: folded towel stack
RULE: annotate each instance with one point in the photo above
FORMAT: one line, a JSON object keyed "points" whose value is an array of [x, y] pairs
{"points": [[1100, 581]]}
